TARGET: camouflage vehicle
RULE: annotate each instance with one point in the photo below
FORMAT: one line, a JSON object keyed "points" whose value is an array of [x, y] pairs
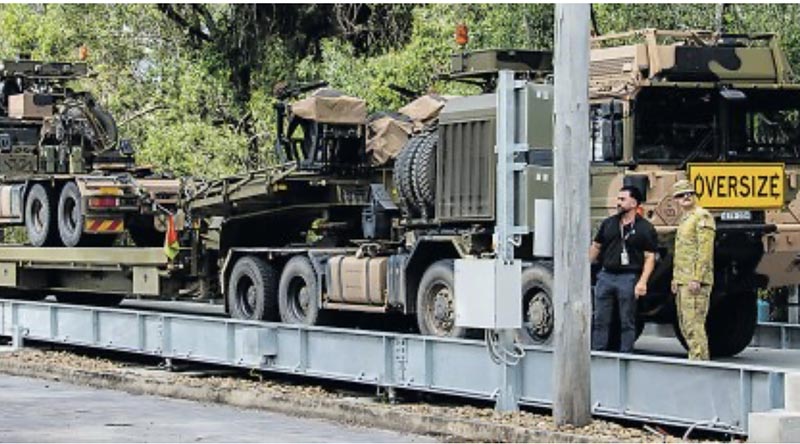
{"points": [[335, 229], [721, 111], [63, 172]]}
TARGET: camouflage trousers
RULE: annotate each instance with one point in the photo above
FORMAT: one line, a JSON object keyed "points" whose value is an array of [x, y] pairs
{"points": [[692, 312]]}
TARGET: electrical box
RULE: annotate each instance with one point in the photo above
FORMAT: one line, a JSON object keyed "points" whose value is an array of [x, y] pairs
{"points": [[145, 281], [8, 274], [488, 293]]}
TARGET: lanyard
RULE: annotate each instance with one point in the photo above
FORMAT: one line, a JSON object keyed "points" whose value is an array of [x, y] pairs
{"points": [[622, 234]]}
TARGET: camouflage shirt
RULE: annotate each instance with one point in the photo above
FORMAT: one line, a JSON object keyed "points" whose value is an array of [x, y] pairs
{"points": [[694, 248]]}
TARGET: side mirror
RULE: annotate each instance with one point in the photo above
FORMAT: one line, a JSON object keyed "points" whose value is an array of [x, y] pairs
{"points": [[125, 147]]}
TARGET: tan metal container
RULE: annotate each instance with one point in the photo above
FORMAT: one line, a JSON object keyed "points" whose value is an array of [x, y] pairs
{"points": [[22, 106], [355, 280]]}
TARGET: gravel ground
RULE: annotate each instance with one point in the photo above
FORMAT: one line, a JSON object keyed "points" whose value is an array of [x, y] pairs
{"points": [[598, 430]]}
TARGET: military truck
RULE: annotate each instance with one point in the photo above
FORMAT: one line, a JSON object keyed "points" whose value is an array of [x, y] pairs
{"points": [[64, 173], [720, 110], [330, 230]]}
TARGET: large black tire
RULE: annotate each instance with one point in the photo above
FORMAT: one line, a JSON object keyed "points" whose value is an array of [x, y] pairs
{"points": [[71, 218], [297, 293], [436, 314], [730, 325], [423, 172], [253, 290], [108, 124], [99, 300], [537, 304], [40, 217], [402, 173]]}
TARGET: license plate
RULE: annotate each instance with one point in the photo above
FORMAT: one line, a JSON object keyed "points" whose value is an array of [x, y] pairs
{"points": [[738, 185], [740, 215]]}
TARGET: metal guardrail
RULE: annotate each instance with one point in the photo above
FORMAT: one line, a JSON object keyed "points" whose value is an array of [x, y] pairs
{"points": [[711, 396], [777, 335]]}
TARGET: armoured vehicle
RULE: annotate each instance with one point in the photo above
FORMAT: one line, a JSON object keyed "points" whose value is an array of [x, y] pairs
{"points": [[63, 172], [720, 110]]}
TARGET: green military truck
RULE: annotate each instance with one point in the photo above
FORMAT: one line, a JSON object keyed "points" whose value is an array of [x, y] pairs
{"points": [[64, 174], [720, 110]]}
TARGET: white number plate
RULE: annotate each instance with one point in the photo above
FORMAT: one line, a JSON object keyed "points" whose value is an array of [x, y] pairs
{"points": [[736, 216]]}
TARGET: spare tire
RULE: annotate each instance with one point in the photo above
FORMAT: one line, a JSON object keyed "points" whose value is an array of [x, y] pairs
{"points": [[402, 173], [108, 124], [423, 172]]}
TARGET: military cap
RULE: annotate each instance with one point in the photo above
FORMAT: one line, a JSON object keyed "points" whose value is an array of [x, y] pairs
{"points": [[682, 186]]}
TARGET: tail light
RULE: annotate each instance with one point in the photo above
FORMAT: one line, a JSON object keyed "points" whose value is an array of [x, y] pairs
{"points": [[103, 202]]}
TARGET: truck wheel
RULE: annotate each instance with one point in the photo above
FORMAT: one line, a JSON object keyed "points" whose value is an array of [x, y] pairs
{"points": [[252, 290], [423, 172], [436, 311], [40, 217], [537, 304], [730, 325], [71, 216], [297, 293]]}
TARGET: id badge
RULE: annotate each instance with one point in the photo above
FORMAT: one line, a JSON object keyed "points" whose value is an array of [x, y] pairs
{"points": [[623, 258]]}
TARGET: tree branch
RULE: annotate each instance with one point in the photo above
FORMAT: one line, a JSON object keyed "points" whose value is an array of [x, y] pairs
{"points": [[207, 18], [170, 12]]}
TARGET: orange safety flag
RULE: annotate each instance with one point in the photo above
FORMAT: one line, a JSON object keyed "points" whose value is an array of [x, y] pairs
{"points": [[171, 244]]}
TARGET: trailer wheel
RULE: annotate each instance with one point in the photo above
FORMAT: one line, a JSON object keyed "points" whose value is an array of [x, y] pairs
{"points": [[537, 304], [730, 325], [40, 217], [99, 300], [436, 311], [71, 217], [252, 290], [297, 292]]}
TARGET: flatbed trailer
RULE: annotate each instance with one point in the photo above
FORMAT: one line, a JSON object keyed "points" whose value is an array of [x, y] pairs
{"points": [[107, 273]]}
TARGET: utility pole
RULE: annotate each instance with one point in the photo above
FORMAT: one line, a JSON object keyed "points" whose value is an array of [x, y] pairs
{"points": [[571, 363]]}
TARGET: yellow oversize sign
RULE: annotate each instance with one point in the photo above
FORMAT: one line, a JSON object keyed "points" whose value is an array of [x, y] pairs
{"points": [[738, 185]]}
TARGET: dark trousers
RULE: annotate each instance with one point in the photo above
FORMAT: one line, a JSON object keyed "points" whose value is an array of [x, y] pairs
{"points": [[611, 288]]}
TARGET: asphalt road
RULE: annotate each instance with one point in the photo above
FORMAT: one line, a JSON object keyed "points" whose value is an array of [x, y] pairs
{"points": [[33, 410]]}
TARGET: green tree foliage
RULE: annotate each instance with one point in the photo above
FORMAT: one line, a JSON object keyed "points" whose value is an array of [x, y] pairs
{"points": [[191, 84]]}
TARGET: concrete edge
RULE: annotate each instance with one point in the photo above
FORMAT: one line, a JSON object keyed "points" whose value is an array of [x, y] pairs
{"points": [[341, 411]]}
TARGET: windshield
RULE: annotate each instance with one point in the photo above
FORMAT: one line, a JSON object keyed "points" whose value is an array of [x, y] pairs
{"points": [[676, 125]]}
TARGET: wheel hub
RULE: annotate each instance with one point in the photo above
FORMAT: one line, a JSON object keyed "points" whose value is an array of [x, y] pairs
{"points": [[251, 298], [443, 309], [540, 316], [39, 215], [303, 298]]}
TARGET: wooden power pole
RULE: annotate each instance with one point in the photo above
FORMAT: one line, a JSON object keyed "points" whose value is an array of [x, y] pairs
{"points": [[571, 364]]}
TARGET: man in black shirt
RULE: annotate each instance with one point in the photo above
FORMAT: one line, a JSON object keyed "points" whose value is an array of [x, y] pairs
{"points": [[625, 246]]}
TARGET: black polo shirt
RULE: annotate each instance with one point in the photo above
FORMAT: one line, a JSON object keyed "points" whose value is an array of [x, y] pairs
{"points": [[640, 236]]}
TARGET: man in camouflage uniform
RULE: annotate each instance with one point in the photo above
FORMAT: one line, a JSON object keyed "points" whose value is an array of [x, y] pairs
{"points": [[693, 272]]}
